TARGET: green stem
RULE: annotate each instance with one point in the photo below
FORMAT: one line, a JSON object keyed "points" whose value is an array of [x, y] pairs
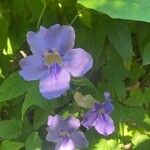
{"points": [[41, 15], [74, 19]]}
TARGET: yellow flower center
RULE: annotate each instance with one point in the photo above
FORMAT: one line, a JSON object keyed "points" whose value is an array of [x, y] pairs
{"points": [[64, 133], [51, 58]]}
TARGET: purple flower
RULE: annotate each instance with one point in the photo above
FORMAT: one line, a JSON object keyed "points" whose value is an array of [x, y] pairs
{"points": [[65, 133], [54, 60], [98, 116]]}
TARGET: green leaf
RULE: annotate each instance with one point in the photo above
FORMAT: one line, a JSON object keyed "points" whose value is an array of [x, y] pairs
{"points": [[140, 141], [34, 98], [138, 97], [95, 36], [123, 9], [12, 87], [105, 144], [33, 142], [97, 142], [40, 118], [120, 37], [146, 54], [115, 76], [35, 13], [10, 129], [82, 81], [129, 115], [11, 145], [4, 23]]}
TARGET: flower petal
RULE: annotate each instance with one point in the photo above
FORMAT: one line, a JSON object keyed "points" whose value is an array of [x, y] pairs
{"points": [[65, 144], [52, 136], [77, 62], [90, 119], [50, 120], [54, 85], [57, 37], [56, 123], [61, 37], [32, 68], [73, 123], [105, 125], [79, 139], [107, 96], [37, 41], [108, 106]]}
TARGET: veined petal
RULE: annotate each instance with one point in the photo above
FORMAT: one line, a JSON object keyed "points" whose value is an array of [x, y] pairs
{"points": [[32, 68], [108, 107], [105, 125], [77, 62], [61, 37], [65, 144], [79, 139], [90, 119], [57, 37], [55, 84]]}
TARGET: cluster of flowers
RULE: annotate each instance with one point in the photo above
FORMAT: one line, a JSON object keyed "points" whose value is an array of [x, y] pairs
{"points": [[53, 62]]}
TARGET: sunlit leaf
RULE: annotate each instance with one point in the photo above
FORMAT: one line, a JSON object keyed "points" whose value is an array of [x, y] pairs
{"points": [[123, 9]]}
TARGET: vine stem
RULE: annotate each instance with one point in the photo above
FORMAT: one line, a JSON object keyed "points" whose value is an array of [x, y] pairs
{"points": [[41, 15], [77, 15]]}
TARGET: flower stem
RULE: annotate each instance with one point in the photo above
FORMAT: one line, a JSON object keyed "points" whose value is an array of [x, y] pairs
{"points": [[41, 15], [77, 15]]}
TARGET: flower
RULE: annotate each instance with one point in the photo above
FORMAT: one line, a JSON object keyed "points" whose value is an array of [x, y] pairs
{"points": [[65, 133], [98, 116], [53, 60]]}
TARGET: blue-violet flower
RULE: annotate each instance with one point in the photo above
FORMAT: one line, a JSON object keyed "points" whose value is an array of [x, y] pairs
{"points": [[98, 116], [54, 60], [65, 133]]}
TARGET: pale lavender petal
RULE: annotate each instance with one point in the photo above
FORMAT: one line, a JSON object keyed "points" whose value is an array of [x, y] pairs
{"points": [[56, 123], [90, 119], [65, 144], [77, 62], [79, 139], [55, 85], [61, 37], [38, 42], [52, 136], [50, 120], [32, 68], [105, 125], [73, 123]]}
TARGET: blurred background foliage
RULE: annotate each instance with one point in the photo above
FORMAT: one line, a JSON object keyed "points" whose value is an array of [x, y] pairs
{"points": [[116, 33]]}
